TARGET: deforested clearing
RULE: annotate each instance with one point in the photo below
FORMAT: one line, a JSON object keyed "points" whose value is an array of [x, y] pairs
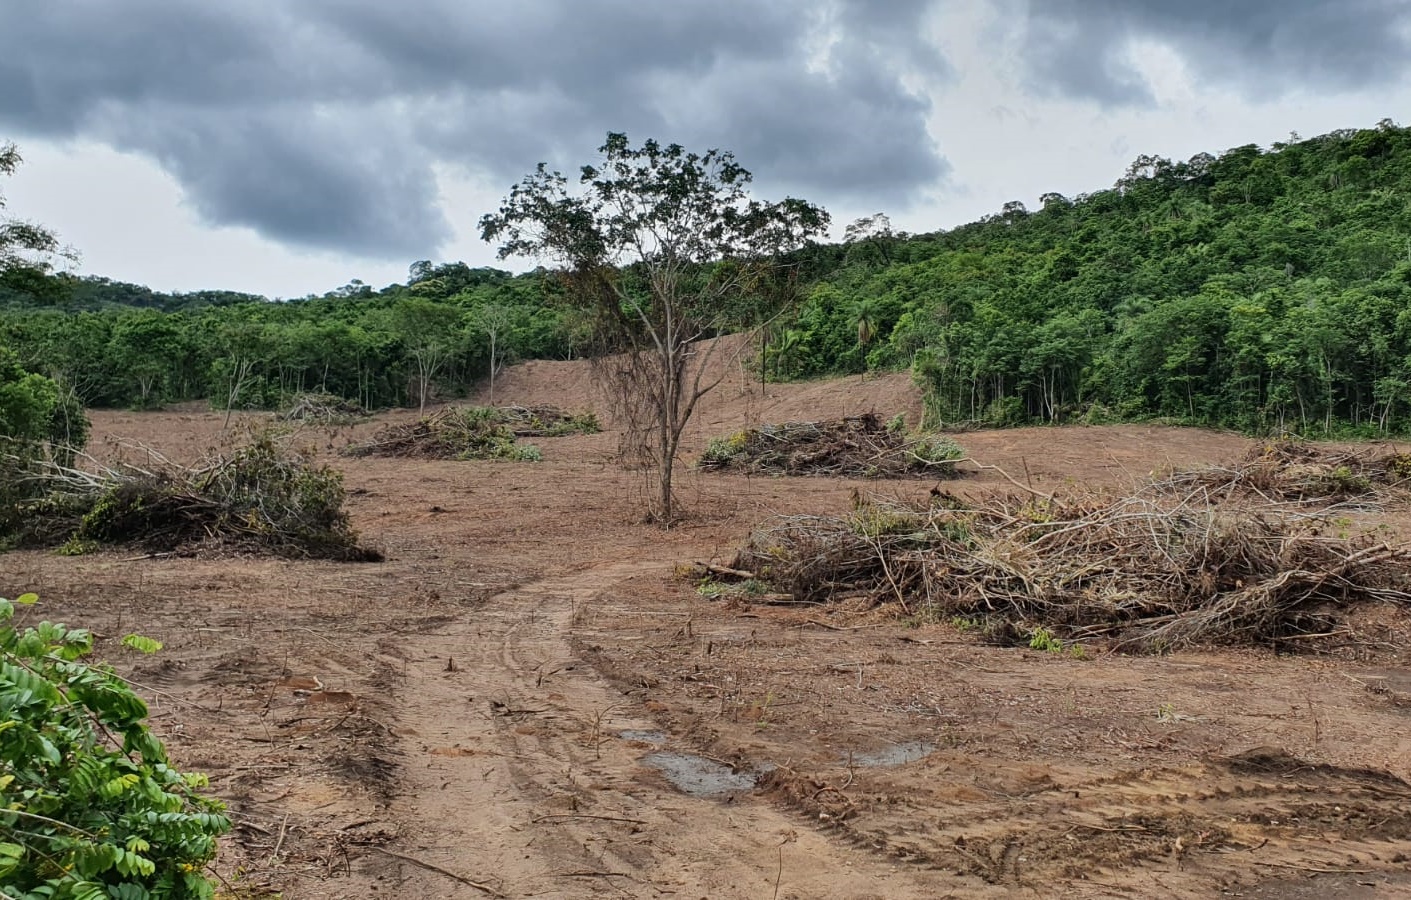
{"points": [[1061, 670]]}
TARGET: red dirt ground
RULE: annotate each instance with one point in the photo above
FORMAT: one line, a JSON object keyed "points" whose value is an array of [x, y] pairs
{"points": [[485, 713]]}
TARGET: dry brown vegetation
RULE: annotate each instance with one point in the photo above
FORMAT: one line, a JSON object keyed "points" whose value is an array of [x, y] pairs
{"points": [[322, 408], [1150, 572], [1290, 471]]}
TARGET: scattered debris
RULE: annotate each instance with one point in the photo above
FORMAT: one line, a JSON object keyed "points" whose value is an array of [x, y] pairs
{"points": [[548, 421], [1291, 471]]}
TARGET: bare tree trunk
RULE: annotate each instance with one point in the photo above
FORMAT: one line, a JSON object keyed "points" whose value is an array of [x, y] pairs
{"points": [[237, 384], [664, 474], [492, 368]]}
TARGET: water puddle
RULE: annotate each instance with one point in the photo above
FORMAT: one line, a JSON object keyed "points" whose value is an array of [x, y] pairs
{"points": [[644, 737], [698, 776], [1398, 680], [895, 755]]}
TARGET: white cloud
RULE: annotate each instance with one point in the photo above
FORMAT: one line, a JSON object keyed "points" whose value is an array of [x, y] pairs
{"points": [[130, 221]]}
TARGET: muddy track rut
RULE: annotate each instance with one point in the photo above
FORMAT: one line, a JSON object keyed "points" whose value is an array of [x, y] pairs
{"points": [[499, 719]]}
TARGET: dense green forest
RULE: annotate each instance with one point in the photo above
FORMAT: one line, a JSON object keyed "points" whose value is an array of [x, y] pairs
{"points": [[119, 344], [1259, 289]]}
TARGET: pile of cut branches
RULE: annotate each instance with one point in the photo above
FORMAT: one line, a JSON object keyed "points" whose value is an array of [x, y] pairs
{"points": [[851, 447], [548, 421], [1294, 472], [1147, 572], [476, 432], [323, 409], [469, 433], [261, 498]]}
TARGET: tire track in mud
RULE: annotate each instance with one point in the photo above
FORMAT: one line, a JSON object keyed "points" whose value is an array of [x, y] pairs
{"points": [[514, 776], [1231, 822]]}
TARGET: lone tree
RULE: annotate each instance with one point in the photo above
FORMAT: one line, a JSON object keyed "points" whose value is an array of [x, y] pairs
{"points": [[663, 247]]}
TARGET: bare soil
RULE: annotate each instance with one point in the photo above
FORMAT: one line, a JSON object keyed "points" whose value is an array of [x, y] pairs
{"points": [[495, 709]]}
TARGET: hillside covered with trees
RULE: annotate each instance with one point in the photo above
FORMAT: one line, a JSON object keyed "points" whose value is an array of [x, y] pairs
{"points": [[1258, 289]]}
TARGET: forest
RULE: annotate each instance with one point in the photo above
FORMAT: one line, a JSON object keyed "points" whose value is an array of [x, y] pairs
{"points": [[1267, 290]]}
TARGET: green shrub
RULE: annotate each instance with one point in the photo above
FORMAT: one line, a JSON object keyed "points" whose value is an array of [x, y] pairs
{"points": [[722, 450], [39, 421], [939, 449], [90, 806]]}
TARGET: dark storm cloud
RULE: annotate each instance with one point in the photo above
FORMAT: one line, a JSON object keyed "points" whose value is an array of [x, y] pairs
{"points": [[1266, 48], [868, 144], [320, 123]]}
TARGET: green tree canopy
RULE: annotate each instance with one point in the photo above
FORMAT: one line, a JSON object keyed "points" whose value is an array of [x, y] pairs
{"points": [[657, 241]]}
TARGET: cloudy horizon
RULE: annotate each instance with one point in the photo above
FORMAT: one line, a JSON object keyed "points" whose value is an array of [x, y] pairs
{"points": [[286, 149]]}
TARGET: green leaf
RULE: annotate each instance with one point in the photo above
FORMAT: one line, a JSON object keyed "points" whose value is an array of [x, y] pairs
{"points": [[119, 823], [117, 786], [49, 751], [141, 644], [11, 855], [28, 599]]}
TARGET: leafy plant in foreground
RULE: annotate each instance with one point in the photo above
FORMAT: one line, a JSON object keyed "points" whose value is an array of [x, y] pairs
{"points": [[90, 807]]}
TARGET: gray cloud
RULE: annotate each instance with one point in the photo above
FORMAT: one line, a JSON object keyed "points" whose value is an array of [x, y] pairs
{"points": [[320, 123], [1265, 48]]}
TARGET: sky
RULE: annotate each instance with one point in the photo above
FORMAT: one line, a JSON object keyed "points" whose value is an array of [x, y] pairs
{"points": [[288, 147]]}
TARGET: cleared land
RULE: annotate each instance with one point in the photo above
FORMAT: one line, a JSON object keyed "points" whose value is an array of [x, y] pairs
{"points": [[496, 708]]}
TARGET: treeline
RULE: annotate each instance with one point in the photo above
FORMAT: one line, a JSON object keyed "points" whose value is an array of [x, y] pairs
{"points": [[1261, 290], [120, 345]]}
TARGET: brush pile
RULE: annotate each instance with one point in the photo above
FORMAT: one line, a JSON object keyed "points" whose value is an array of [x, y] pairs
{"points": [[547, 421], [470, 433], [324, 409], [475, 432], [1149, 573], [851, 447], [1292, 472], [259, 499]]}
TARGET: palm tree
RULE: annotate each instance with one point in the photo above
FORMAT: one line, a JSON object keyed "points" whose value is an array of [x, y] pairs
{"points": [[785, 349], [865, 314]]}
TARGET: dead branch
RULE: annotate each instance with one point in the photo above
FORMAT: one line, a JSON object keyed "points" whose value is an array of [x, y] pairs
{"points": [[1152, 571], [432, 867]]}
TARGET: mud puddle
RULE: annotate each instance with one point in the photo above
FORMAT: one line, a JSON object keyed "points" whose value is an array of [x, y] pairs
{"points": [[643, 737], [894, 755], [698, 776]]}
